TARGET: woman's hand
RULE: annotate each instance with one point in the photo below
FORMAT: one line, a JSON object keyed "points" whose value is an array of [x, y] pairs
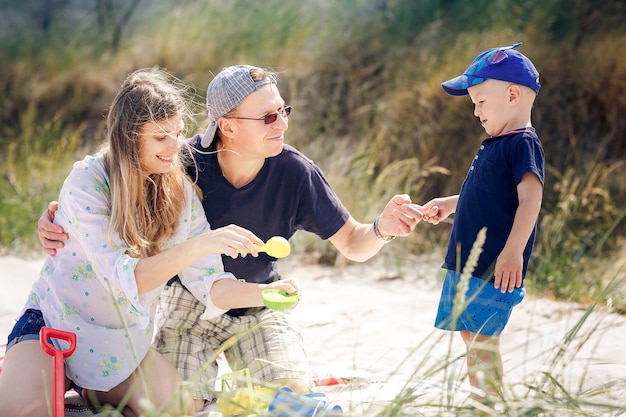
{"points": [[231, 240]]}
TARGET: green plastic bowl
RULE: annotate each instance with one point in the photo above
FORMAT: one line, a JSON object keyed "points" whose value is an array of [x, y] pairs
{"points": [[279, 299]]}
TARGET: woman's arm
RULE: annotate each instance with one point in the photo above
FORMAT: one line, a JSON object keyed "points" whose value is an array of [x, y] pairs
{"points": [[230, 240]]}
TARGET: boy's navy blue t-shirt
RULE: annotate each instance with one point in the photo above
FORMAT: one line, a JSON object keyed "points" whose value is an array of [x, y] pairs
{"points": [[290, 193], [488, 198]]}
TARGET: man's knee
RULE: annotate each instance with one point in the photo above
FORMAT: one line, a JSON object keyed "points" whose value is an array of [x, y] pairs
{"points": [[297, 385]]}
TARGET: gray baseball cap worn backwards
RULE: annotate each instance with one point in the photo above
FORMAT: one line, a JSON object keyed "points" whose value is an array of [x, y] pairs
{"points": [[226, 91], [502, 63]]}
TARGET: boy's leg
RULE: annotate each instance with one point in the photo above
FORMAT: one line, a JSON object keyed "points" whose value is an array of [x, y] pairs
{"points": [[483, 358]]}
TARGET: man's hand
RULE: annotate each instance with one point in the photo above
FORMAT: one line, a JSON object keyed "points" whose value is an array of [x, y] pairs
{"points": [[400, 216], [51, 235]]}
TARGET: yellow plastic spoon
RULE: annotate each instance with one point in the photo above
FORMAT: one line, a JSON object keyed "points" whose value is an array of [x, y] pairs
{"points": [[276, 246]]}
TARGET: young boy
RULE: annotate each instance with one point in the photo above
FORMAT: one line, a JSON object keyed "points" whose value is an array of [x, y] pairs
{"points": [[502, 192]]}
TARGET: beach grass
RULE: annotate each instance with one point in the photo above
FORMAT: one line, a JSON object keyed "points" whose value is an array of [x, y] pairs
{"points": [[363, 78]]}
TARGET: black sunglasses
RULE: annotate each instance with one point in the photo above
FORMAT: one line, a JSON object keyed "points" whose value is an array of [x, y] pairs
{"points": [[268, 119]]}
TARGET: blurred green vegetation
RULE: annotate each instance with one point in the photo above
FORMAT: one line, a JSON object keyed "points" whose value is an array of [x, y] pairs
{"points": [[364, 79]]}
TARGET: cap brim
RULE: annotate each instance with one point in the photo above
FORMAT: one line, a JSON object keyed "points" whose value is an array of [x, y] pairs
{"points": [[458, 86], [209, 135]]}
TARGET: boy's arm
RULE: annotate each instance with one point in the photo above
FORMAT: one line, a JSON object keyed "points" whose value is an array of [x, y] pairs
{"points": [[439, 208], [509, 264]]}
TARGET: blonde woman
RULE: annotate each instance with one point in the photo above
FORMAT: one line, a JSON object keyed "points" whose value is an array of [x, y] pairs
{"points": [[135, 220]]}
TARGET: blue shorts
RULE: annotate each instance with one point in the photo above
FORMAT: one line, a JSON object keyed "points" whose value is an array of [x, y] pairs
{"points": [[26, 328], [486, 312]]}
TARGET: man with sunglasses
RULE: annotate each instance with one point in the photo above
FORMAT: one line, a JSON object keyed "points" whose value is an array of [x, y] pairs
{"points": [[251, 178]]}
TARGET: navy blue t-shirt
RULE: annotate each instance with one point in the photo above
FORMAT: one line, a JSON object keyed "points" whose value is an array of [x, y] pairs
{"points": [[488, 198], [289, 193]]}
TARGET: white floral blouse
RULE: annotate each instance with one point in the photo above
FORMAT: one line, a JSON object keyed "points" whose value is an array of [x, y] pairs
{"points": [[89, 287]]}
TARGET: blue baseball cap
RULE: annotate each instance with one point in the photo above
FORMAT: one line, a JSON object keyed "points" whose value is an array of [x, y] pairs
{"points": [[226, 91], [502, 63]]}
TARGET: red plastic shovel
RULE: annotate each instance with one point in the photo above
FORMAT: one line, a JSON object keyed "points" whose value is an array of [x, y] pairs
{"points": [[58, 384]]}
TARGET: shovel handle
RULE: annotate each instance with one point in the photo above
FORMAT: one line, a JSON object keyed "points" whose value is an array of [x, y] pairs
{"points": [[46, 333]]}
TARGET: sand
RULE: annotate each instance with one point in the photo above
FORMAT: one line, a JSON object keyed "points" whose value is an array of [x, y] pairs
{"points": [[373, 325]]}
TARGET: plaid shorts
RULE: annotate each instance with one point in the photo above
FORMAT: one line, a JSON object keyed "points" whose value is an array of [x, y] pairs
{"points": [[268, 342], [487, 309]]}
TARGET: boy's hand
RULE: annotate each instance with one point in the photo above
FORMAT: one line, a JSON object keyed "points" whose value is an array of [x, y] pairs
{"points": [[508, 275], [438, 209], [51, 235]]}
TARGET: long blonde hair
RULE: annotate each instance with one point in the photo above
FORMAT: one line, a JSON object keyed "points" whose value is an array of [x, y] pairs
{"points": [[145, 210]]}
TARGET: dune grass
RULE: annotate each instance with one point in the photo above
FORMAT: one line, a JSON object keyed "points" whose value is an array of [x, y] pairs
{"points": [[363, 78]]}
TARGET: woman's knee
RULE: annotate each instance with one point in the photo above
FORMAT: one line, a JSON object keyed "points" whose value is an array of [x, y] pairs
{"points": [[26, 380], [159, 381]]}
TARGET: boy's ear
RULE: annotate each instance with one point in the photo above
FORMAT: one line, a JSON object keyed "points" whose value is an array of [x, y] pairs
{"points": [[515, 94]]}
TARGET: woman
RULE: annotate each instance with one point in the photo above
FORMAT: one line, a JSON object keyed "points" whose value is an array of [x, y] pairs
{"points": [[136, 220]]}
